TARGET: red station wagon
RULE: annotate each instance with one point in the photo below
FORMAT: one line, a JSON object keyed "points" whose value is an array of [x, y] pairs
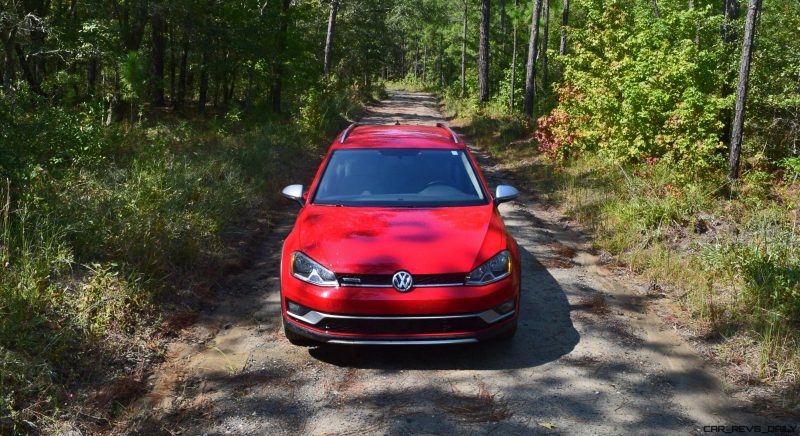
{"points": [[399, 241]]}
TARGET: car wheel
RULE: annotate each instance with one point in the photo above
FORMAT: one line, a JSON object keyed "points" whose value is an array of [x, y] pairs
{"points": [[296, 339]]}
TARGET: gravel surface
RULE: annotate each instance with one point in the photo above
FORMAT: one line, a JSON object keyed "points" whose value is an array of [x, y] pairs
{"points": [[588, 357]]}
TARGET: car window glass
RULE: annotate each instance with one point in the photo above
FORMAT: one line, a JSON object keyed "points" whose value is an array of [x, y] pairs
{"points": [[399, 177]]}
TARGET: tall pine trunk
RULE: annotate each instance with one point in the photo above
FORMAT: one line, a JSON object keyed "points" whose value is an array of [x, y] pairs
{"points": [[91, 76], [731, 13], [656, 11], [202, 95], [173, 64], [181, 93], [483, 52], [159, 42], [562, 48], [741, 89], [9, 71], [503, 28], [464, 50], [27, 73], [697, 29], [277, 84], [530, 73], [513, 61], [545, 37], [424, 63], [329, 37]]}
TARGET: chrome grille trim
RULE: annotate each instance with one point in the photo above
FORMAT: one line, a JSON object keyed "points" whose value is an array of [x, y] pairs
{"points": [[314, 317], [423, 342], [442, 285]]}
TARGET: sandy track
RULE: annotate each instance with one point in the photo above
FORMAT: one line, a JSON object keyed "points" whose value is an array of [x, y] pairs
{"points": [[588, 358]]}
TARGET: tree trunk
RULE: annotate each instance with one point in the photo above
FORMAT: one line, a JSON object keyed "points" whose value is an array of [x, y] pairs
{"points": [[464, 50], [424, 63], [513, 61], [403, 46], [656, 12], [26, 71], [158, 26], [530, 74], [728, 38], [731, 13], [483, 52], [115, 103], [697, 29], [329, 38], [503, 17], [231, 88], [741, 90], [202, 95], [172, 67], [9, 71], [132, 32], [91, 76], [503, 28], [277, 84], [562, 49], [217, 85], [181, 94], [441, 60], [545, 38]]}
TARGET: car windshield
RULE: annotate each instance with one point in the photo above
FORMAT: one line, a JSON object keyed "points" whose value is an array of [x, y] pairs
{"points": [[406, 177]]}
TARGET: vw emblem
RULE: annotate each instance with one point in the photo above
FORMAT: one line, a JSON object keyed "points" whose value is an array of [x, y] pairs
{"points": [[402, 281]]}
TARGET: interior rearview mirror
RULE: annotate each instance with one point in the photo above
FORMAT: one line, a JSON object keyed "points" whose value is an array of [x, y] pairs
{"points": [[505, 193], [294, 193]]}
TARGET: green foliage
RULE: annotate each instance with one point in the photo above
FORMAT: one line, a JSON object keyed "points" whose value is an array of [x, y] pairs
{"points": [[638, 86], [792, 167], [767, 259], [29, 129], [774, 97], [134, 76], [93, 233], [323, 110]]}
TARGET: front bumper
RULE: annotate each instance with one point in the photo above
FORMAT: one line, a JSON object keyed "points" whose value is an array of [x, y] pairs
{"points": [[501, 324], [374, 301], [429, 315]]}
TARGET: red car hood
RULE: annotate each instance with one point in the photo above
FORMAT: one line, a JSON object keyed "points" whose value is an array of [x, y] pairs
{"points": [[384, 240]]}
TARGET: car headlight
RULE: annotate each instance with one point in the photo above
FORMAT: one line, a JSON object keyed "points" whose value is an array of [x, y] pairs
{"points": [[309, 270], [494, 269]]}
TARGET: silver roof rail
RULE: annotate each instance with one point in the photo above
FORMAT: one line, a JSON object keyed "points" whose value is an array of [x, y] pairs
{"points": [[347, 131], [452, 133]]}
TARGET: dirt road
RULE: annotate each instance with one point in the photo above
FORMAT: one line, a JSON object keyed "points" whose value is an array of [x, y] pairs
{"points": [[588, 358]]}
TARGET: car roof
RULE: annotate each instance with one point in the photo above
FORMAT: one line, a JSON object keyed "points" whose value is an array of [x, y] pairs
{"points": [[397, 136]]}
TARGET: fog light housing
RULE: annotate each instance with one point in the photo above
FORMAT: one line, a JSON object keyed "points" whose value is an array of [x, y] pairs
{"points": [[506, 307], [296, 309]]}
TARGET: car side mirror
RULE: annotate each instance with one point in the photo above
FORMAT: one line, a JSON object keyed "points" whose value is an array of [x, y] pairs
{"points": [[505, 193], [294, 193]]}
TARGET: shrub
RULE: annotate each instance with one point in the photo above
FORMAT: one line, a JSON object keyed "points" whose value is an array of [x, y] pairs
{"points": [[637, 86]]}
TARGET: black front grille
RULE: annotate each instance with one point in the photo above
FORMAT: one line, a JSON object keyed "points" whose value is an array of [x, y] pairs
{"points": [[364, 279], [386, 279], [400, 326]]}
